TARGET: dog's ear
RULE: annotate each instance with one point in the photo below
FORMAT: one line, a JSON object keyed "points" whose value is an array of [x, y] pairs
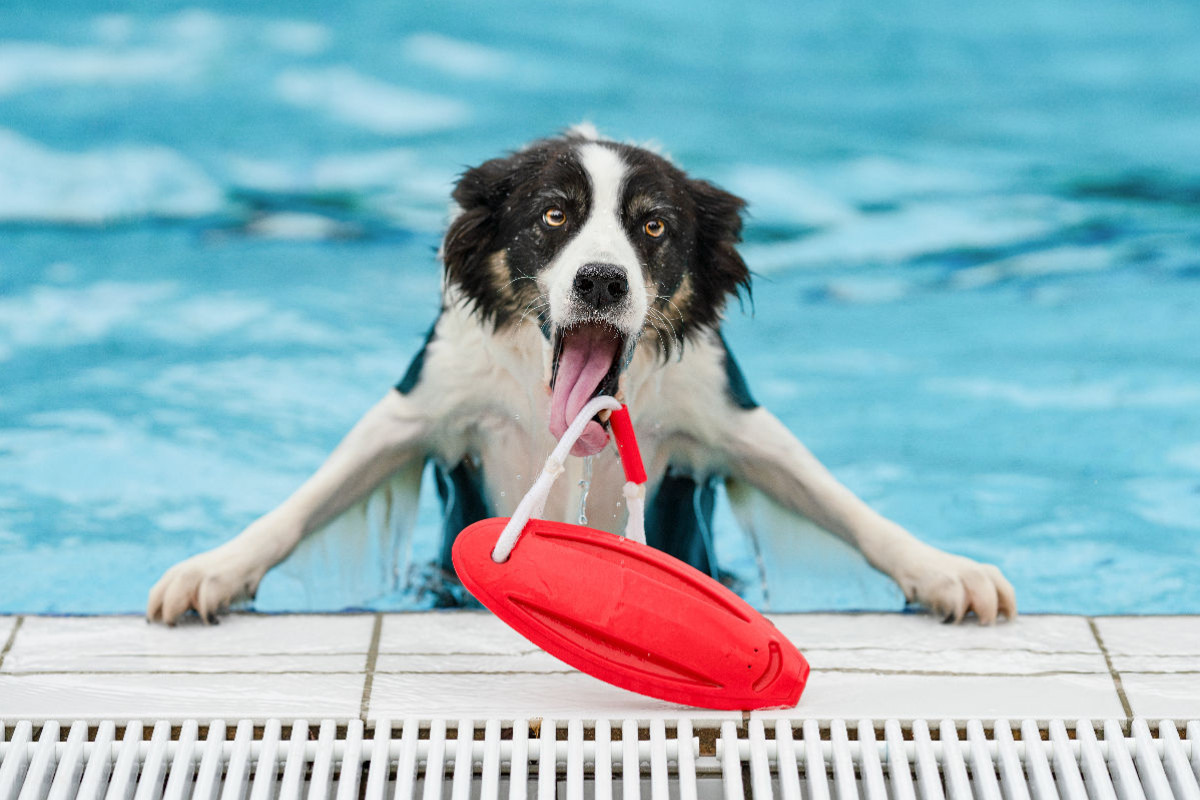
{"points": [[487, 185], [470, 239], [719, 269]]}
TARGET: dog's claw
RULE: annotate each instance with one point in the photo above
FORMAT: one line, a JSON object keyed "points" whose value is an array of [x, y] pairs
{"points": [[954, 587], [205, 584]]}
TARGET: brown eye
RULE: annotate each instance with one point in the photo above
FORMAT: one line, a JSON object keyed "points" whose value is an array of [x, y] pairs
{"points": [[554, 217], [655, 228]]}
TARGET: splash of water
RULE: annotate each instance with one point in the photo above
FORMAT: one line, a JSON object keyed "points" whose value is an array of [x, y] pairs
{"points": [[584, 486]]}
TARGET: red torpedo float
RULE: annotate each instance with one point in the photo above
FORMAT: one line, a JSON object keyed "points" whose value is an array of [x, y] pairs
{"points": [[624, 612], [631, 615]]}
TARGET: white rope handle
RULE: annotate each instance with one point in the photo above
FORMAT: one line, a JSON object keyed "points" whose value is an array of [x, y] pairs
{"points": [[534, 502]]}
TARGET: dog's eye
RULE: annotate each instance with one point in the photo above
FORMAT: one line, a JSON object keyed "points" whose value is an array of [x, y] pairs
{"points": [[554, 217], [655, 228]]}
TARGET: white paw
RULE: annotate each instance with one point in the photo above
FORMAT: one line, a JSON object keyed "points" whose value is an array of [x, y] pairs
{"points": [[207, 583], [952, 586]]}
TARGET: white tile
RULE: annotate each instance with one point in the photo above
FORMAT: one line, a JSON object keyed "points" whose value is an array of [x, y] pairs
{"points": [[443, 632], [1154, 636], [475, 663], [1030, 645], [139, 696], [1163, 696], [853, 696], [925, 633], [959, 662], [518, 696], [242, 642], [1155, 663]]}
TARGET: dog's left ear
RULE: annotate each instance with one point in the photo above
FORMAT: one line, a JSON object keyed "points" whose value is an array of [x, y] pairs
{"points": [[718, 264]]}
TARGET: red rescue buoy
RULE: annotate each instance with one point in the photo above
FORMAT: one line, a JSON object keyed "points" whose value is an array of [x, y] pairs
{"points": [[631, 615], [620, 610]]}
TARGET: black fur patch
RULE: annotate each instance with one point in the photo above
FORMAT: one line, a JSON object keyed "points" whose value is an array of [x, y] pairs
{"points": [[412, 375], [694, 265], [497, 245], [679, 519], [736, 387], [464, 502]]}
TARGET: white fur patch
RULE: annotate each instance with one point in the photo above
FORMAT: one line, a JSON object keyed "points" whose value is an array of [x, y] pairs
{"points": [[584, 130], [601, 240]]}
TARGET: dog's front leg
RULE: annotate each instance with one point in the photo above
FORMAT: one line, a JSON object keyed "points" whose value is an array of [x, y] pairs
{"points": [[764, 453], [388, 437]]}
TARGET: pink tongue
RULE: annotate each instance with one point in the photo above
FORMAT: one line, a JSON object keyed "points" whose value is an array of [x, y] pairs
{"points": [[587, 354]]}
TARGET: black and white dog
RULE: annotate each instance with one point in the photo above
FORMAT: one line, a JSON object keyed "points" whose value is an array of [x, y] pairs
{"points": [[574, 267]]}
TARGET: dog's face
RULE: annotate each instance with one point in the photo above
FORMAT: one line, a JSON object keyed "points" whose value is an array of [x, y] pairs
{"points": [[597, 243]]}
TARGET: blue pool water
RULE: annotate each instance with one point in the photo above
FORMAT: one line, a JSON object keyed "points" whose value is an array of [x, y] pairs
{"points": [[976, 233]]}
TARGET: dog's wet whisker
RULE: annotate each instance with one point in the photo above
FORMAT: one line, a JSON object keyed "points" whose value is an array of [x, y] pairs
{"points": [[674, 342], [521, 278], [671, 302], [531, 308]]}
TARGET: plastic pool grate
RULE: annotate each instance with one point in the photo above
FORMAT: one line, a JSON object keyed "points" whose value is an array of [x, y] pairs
{"points": [[547, 759]]}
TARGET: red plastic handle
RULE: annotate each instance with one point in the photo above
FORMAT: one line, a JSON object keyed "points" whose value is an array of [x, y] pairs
{"points": [[627, 446]]}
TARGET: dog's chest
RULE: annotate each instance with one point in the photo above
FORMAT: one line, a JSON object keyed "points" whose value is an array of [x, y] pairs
{"points": [[489, 398], [492, 408]]}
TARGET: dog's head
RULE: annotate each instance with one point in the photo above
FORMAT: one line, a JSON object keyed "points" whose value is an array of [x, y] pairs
{"points": [[598, 244]]}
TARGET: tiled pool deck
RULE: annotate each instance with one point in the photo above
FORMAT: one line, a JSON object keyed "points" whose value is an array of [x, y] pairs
{"points": [[468, 664]]}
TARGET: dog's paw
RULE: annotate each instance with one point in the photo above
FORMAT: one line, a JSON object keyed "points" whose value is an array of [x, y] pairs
{"points": [[952, 586], [206, 583]]}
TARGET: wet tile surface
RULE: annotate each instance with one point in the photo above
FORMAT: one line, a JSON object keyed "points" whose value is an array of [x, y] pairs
{"points": [[959, 697], [469, 664], [922, 632], [440, 632], [1152, 644], [1158, 660], [176, 697], [1029, 645], [517, 696], [1163, 696], [240, 643], [506, 663]]}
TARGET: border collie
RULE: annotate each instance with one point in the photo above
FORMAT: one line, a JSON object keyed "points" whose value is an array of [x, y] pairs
{"points": [[573, 267]]}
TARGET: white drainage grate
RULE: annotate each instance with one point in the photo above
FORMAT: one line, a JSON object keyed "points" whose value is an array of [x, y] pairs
{"points": [[430, 759]]}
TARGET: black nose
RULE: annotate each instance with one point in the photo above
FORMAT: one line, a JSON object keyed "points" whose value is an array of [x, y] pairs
{"points": [[601, 285]]}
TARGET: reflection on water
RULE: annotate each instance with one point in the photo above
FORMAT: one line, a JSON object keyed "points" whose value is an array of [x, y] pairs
{"points": [[975, 231]]}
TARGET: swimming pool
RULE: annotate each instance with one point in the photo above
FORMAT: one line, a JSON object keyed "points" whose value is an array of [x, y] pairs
{"points": [[975, 233]]}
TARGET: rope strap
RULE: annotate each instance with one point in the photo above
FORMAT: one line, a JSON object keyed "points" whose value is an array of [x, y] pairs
{"points": [[533, 503]]}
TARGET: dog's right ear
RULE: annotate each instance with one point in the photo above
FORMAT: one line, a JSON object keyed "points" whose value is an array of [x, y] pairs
{"points": [[470, 239], [487, 185]]}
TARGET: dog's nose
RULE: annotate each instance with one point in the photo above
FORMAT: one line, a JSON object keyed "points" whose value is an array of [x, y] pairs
{"points": [[601, 285]]}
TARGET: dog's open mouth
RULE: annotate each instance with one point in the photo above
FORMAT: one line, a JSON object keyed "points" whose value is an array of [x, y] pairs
{"points": [[587, 363]]}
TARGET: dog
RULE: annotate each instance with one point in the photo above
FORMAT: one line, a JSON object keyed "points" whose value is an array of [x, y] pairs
{"points": [[574, 267]]}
